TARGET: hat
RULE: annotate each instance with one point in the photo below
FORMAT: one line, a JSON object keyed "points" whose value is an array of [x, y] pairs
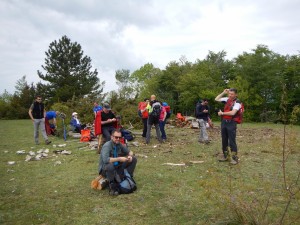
{"points": [[106, 106], [74, 113], [165, 104]]}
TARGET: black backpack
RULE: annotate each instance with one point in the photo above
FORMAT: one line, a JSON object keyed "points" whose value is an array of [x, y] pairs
{"points": [[156, 109]]}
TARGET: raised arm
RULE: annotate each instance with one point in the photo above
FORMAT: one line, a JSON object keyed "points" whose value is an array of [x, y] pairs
{"points": [[221, 95]]}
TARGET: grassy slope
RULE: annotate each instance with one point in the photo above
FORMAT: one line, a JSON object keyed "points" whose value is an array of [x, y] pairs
{"points": [[38, 192]]}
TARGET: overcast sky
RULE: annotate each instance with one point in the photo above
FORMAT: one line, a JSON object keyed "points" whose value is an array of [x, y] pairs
{"points": [[126, 34]]}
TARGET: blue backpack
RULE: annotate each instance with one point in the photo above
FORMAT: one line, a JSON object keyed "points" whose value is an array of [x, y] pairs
{"points": [[127, 185]]}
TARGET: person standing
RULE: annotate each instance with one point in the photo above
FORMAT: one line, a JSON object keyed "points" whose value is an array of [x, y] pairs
{"points": [[96, 108], [37, 114], [162, 123], [144, 114], [154, 109], [202, 114], [228, 124]]}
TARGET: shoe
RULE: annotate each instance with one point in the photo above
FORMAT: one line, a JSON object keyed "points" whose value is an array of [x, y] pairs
{"points": [[207, 142], [113, 192], [113, 189], [223, 157], [47, 142], [234, 160]]}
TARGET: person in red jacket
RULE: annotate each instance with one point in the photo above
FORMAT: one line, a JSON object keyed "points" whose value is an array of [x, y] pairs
{"points": [[228, 125], [143, 112]]}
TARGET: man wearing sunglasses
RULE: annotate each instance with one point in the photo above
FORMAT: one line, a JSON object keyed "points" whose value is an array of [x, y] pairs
{"points": [[37, 114], [114, 158]]}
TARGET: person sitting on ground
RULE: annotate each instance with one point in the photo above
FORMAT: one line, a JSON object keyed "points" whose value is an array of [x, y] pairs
{"points": [[108, 120], [114, 158], [75, 123], [50, 121], [96, 108]]}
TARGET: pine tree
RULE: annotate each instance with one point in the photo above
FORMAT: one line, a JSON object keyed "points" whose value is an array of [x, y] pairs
{"points": [[68, 72]]}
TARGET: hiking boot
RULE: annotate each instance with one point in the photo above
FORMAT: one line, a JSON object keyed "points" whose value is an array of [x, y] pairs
{"points": [[113, 192], [234, 160], [113, 189], [207, 142], [47, 142], [223, 157]]}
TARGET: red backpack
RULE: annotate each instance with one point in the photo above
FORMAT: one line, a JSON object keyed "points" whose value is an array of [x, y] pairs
{"points": [[238, 117]]}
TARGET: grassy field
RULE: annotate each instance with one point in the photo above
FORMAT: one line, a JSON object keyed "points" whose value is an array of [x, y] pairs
{"points": [[45, 192]]}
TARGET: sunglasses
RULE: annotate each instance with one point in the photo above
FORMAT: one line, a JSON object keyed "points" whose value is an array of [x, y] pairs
{"points": [[117, 137]]}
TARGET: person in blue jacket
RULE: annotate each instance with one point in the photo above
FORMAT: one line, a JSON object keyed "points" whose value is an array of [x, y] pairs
{"points": [[96, 108], [75, 123]]}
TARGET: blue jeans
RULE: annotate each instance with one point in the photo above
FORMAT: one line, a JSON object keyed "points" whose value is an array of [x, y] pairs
{"points": [[162, 129]]}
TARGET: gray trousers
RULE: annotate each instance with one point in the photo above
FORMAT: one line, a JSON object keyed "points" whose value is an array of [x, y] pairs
{"points": [[203, 133], [39, 123], [148, 135]]}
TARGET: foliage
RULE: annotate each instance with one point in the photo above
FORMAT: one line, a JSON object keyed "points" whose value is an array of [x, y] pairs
{"points": [[258, 76], [126, 90], [68, 72], [5, 105]]}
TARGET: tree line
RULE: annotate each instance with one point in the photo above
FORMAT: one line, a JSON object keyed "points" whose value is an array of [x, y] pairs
{"points": [[265, 81]]}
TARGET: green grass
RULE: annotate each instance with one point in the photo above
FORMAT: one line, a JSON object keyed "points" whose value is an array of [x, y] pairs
{"points": [[40, 192]]}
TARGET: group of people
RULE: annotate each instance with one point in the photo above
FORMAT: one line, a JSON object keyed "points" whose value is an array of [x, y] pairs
{"points": [[115, 157], [155, 113]]}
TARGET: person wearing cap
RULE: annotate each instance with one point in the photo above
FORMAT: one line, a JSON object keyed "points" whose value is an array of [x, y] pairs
{"points": [[202, 114], [96, 108], [75, 123], [108, 119]]}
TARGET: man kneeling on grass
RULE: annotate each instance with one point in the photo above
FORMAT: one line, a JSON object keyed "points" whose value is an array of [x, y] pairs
{"points": [[114, 159]]}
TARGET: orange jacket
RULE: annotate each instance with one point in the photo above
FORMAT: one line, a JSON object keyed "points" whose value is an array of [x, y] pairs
{"points": [[142, 106]]}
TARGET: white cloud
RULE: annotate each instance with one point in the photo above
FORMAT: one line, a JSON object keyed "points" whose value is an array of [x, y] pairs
{"points": [[127, 34]]}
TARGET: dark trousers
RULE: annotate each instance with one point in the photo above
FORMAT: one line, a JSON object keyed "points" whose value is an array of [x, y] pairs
{"points": [[144, 127], [228, 132], [110, 170], [106, 131], [162, 129], [79, 127]]}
